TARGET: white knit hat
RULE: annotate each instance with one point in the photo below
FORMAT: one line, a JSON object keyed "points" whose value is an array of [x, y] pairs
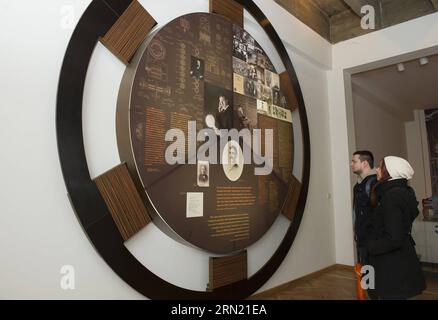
{"points": [[398, 168]]}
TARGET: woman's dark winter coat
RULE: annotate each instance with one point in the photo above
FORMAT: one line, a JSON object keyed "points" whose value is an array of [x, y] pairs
{"points": [[390, 247]]}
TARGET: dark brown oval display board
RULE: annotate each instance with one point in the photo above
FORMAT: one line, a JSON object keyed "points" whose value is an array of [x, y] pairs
{"points": [[198, 67]]}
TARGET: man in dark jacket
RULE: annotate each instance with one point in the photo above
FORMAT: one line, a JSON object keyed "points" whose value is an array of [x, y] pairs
{"points": [[362, 165]]}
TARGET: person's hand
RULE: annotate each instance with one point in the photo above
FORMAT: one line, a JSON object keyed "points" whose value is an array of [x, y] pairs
{"points": [[222, 105]]}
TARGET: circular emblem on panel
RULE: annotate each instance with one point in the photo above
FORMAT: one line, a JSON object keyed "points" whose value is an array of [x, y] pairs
{"points": [[232, 161]]}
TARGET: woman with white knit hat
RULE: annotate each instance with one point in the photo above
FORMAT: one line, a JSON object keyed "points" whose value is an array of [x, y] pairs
{"points": [[391, 249]]}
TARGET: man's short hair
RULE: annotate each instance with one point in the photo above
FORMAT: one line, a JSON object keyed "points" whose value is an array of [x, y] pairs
{"points": [[365, 155]]}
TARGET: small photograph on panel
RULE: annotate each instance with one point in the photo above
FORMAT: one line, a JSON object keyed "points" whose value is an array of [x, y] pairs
{"points": [[252, 72], [203, 174], [267, 94], [261, 57], [232, 160], [272, 80], [197, 68], [250, 88], [276, 97], [259, 90], [243, 43], [238, 84], [251, 57], [245, 115], [219, 104], [260, 75], [283, 101], [240, 51], [262, 107], [256, 73], [240, 67]]}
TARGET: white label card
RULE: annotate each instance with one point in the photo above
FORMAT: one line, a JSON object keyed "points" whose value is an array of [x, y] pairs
{"points": [[195, 204]]}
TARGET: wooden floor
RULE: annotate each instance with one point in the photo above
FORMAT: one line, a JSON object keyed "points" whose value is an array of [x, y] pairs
{"points": [[334, 283]]}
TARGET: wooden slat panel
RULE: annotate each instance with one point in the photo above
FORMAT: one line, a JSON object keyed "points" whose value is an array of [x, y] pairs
{"points": [[227, 270], [129, 31], [292, 199], [228, 8], [288, 90], [123, 201]]}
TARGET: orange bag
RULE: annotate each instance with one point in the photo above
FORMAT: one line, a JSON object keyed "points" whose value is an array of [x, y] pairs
{"points": [[359, 291]]}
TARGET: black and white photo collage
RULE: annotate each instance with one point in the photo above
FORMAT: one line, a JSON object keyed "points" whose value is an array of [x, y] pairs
{"points": [[256, 77]]}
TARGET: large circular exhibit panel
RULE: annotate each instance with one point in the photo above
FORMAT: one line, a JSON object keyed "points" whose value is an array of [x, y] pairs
{"points": [[205, 133], [203, 122]]}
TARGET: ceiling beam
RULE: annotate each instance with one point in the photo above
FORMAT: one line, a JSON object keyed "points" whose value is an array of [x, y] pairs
{"points": [[346, 24], [310, 14], [356, 5]]}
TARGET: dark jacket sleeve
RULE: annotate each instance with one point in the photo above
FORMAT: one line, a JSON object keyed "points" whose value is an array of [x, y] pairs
{"points": [[393, 227]]}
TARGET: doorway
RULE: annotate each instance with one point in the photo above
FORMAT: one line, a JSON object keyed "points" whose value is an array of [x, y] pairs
{"points": [[393, 110]]}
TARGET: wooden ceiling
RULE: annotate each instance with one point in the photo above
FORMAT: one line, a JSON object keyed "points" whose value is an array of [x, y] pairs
{"points": [[331, 7], [339, 20]]}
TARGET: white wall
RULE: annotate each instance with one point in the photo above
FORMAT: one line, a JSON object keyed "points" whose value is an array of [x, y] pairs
{"points": [[378, 130], [405, 38], [38, 229]]}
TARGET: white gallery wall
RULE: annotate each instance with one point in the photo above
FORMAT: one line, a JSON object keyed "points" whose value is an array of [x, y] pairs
{"points": [[39, 232], [378, 130]]}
